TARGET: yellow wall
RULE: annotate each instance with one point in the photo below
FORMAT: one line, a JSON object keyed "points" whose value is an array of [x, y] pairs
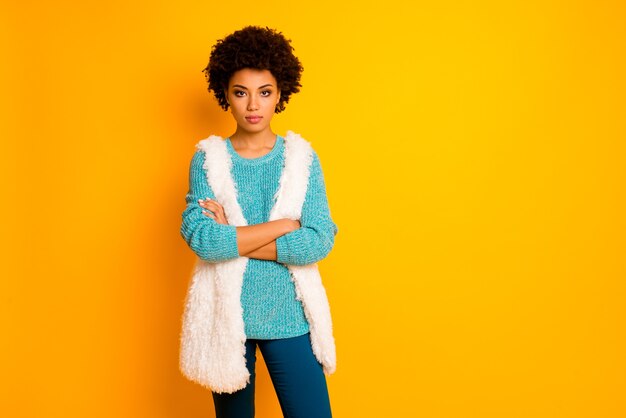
{"points": [[474, 157]]}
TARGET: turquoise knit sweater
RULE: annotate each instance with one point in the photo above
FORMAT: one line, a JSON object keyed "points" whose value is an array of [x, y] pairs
{"points": [[268, 296]]}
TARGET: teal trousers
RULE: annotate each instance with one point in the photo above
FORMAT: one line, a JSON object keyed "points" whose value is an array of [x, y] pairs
{"points": [[298, 380]]}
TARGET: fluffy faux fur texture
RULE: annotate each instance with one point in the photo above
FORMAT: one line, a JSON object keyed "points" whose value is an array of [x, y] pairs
{"points": [[213, 335]]}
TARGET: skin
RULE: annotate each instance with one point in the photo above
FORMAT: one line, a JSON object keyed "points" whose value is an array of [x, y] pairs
{"points": [[253, 92]]}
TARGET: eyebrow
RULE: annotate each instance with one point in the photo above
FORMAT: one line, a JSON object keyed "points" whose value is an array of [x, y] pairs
{"points": [[245, 88]]}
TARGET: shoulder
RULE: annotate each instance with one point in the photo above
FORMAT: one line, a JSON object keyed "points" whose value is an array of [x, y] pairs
{"points": [[203, 148], [296, 140], [210, 143], [198, 157], [297, 145], [210, 151]]}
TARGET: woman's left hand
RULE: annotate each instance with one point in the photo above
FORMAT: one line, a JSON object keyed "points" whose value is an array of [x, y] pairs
{"points": [[217, 209]]}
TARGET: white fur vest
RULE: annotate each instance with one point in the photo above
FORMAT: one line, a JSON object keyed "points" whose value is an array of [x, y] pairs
{"points": [[213, 337]]}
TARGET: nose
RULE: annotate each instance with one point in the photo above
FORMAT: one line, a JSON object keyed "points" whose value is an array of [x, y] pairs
{"points": [[252, 103]]}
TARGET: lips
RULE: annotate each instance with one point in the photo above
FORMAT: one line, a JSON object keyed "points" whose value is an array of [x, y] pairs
{"points": [[254, 119]]}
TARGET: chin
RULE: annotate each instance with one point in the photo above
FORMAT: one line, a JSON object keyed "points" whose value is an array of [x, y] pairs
{"points": [[253, 128]]}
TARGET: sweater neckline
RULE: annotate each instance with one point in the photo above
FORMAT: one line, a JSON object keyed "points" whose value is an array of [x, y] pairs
{"points": [[278, 144]]}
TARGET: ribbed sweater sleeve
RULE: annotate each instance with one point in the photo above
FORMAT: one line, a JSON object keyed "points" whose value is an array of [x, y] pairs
{"points": [[316, 236], [210, 240]]}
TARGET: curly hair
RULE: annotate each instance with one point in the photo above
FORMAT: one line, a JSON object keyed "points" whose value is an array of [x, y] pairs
{"points": [[257, 48]]}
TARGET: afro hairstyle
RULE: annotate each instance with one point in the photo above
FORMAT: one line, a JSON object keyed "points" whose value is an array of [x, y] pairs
{"points": [[257, 48]]}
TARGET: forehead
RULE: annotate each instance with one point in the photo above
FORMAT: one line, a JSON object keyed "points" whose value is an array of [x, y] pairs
{"points": [[252, 78]]}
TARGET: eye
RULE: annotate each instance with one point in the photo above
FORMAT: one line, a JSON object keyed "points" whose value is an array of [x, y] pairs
{"points": [[266, 93], [237, 93]]}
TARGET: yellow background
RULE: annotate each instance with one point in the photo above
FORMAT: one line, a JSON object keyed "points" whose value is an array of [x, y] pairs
{"points": [[474, 159]]}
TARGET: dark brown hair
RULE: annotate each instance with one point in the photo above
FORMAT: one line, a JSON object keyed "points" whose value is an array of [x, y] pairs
{"points": [[257, 48]]}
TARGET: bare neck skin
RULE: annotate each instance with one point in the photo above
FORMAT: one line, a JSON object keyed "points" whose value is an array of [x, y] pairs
{"points": [[253, 141], [253, 145]]}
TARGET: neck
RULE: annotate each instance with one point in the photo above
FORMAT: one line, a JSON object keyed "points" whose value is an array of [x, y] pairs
{"points": [[253, 140]]}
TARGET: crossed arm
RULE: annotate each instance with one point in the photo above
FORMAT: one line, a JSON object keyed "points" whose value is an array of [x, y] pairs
{"points": [[253, 241], [297, 242]]}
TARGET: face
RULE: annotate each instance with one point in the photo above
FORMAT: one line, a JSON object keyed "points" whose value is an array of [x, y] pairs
{"points": [[253, 96]]}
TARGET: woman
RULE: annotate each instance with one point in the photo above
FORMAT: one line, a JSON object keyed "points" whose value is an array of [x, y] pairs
{"points": [[257, 216]]}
